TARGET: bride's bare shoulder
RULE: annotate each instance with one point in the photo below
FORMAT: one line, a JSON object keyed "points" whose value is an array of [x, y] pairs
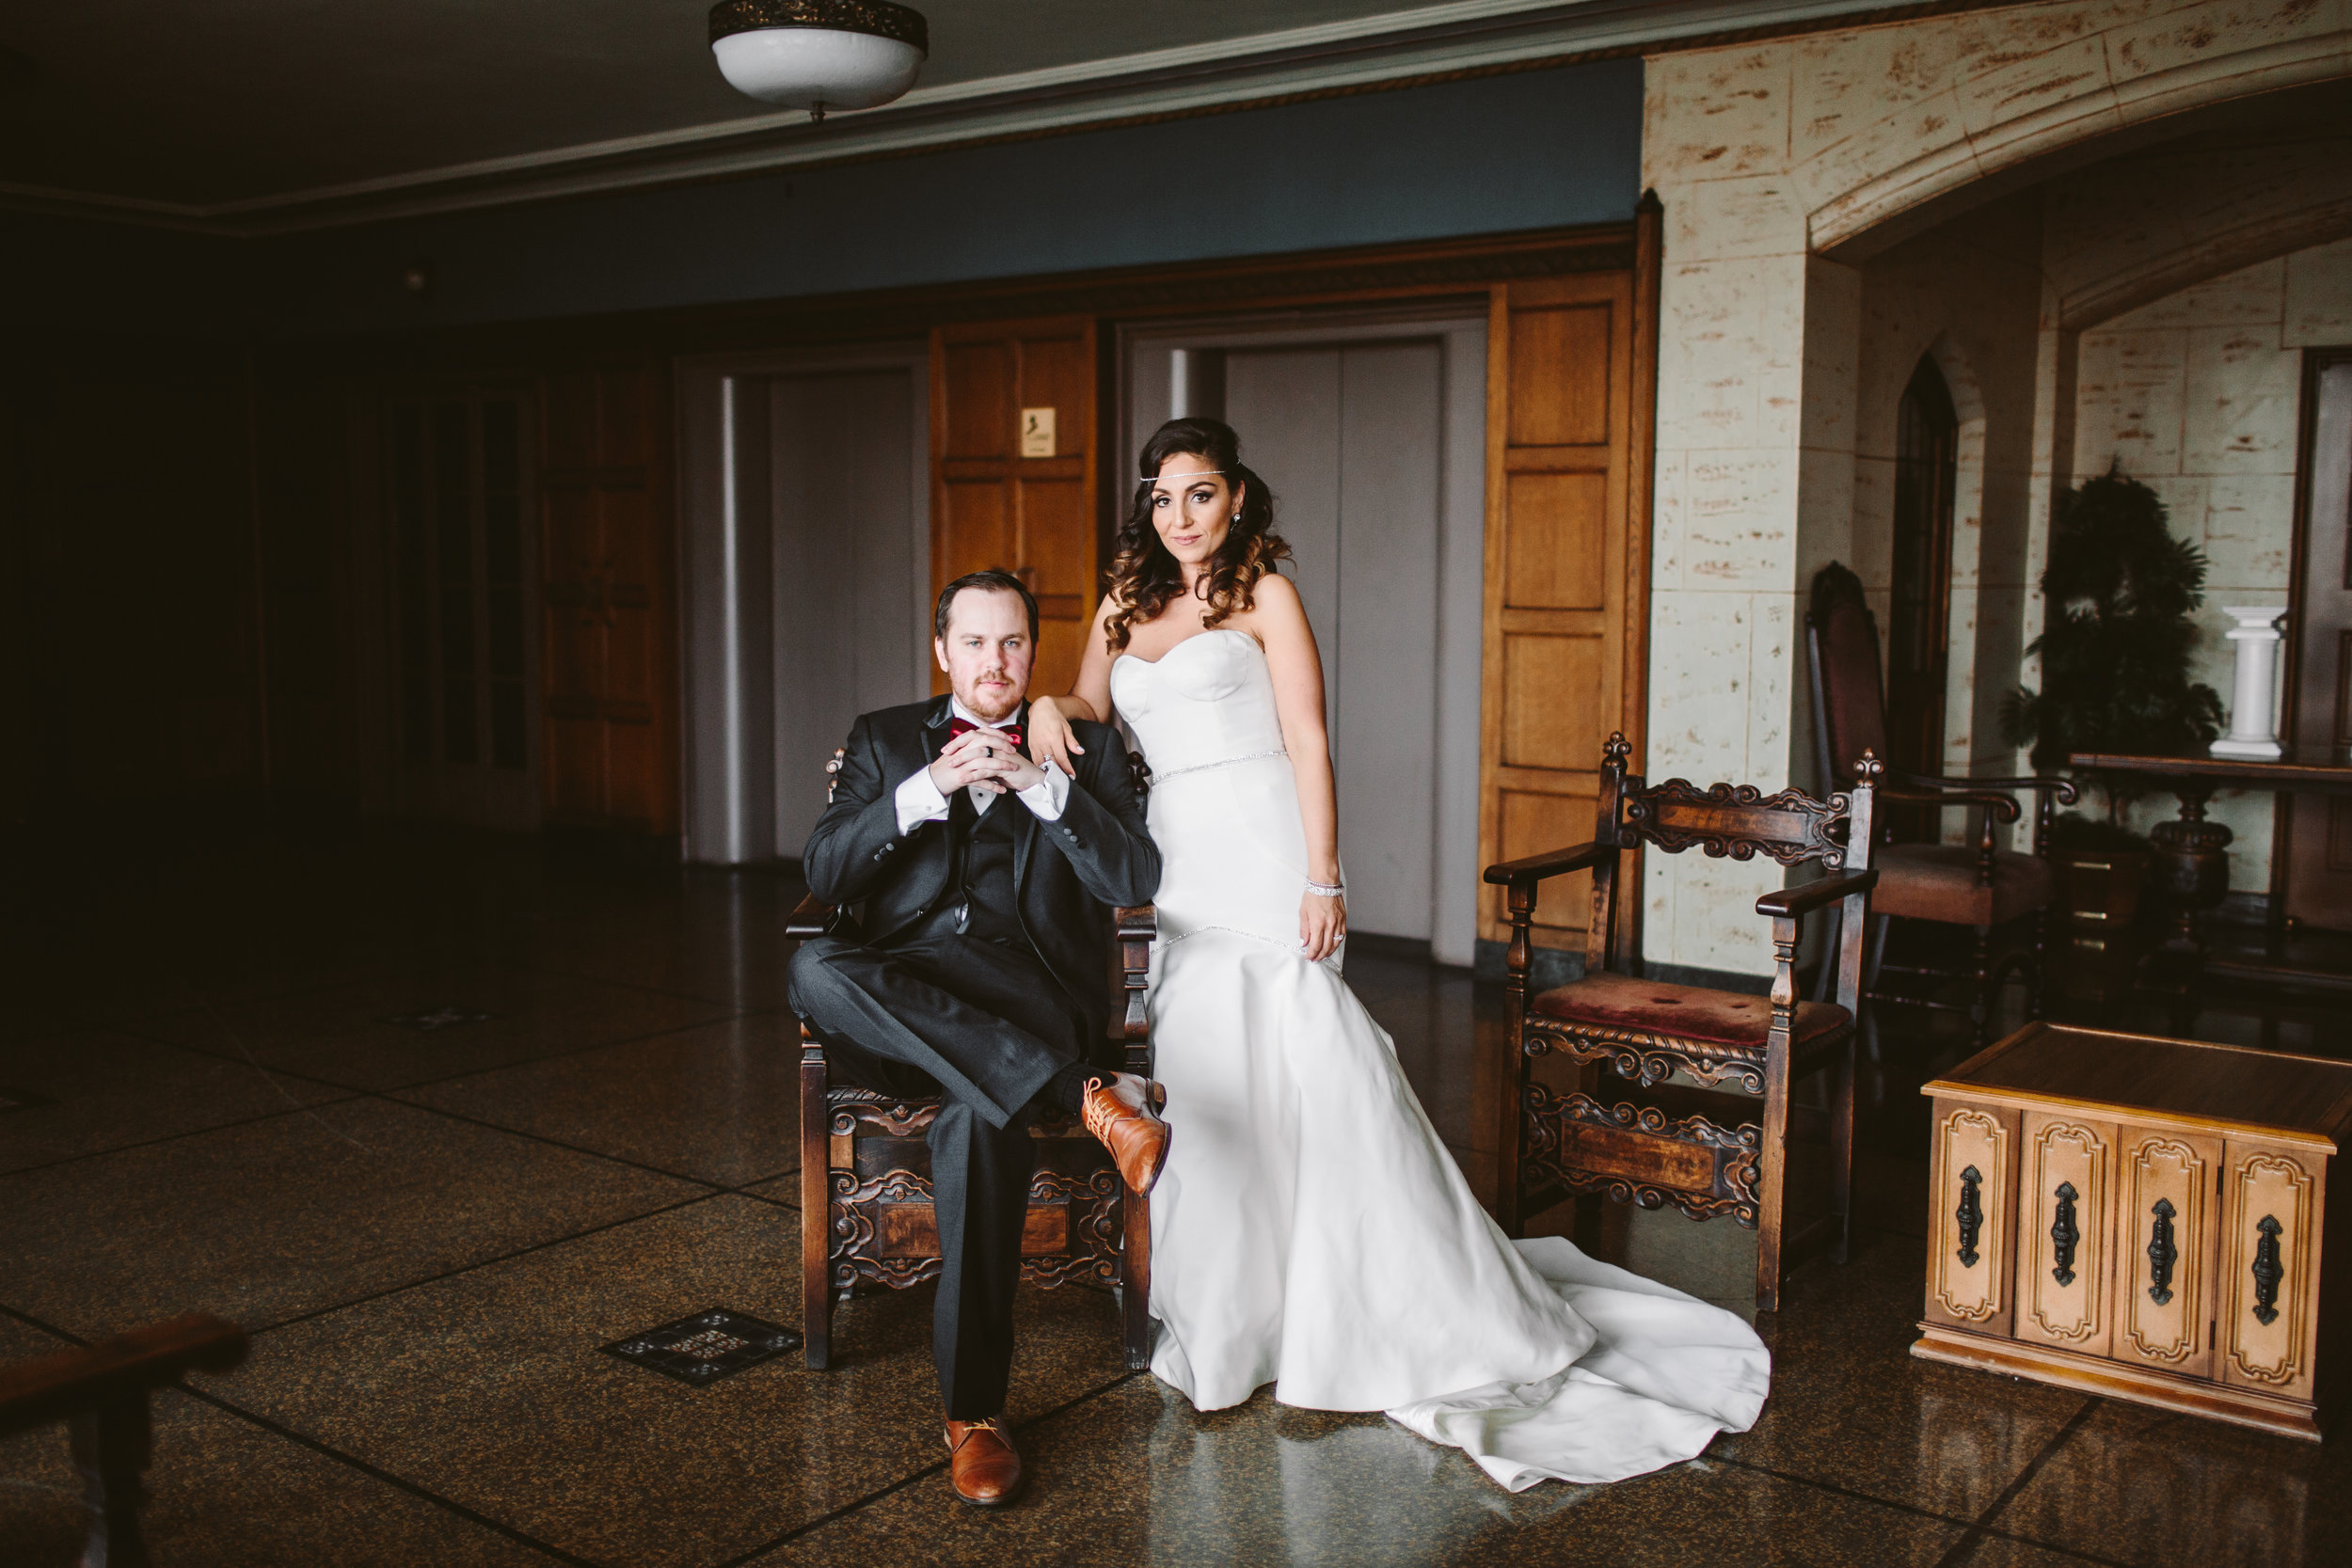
{"points": [[1275, 604]]}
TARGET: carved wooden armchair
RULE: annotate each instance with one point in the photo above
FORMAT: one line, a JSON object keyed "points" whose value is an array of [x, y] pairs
{"points": [[2000, 896], [1558, 1144], [865, 1188]]}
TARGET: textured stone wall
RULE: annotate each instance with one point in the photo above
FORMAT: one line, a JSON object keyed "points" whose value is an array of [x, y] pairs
{"points": [[1793, 173]]}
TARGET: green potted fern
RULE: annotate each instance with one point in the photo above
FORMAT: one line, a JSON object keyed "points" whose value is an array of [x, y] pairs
{"points": [[2115, 677]]}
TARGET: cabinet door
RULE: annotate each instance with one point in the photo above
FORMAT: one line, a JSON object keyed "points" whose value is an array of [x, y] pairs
{"points": [[2066, 1224], [1972, 1217], [2271, 1200], [2164, 1250]]}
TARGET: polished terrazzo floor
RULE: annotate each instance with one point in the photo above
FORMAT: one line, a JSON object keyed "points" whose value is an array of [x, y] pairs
{"points": [[440, 1116]]}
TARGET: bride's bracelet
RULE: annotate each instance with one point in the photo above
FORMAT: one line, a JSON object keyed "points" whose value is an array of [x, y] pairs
{"points": [[1322, 890]]}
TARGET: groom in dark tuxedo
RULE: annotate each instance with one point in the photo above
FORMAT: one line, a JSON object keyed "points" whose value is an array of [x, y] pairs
{"points": [[978, 970]]}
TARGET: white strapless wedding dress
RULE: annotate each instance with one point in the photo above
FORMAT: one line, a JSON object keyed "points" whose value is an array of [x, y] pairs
{"points": [[1311, 1229]]}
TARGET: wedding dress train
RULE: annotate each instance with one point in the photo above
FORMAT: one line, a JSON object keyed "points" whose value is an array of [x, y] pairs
{"points": [[1311, 1229]]}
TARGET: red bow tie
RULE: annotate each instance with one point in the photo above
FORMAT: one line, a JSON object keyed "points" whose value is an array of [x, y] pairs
{"points": [[1011, 732]]}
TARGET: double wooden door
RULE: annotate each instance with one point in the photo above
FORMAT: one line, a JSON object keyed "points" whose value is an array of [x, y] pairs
{"points": [[464, 604], [610, 681], [1013, 482]]}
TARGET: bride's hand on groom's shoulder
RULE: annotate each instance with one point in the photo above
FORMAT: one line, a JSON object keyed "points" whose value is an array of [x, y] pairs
{"points": [[1050, 736]]}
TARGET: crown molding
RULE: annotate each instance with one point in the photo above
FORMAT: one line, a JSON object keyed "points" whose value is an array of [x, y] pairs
{"points": [[1464, 38]]}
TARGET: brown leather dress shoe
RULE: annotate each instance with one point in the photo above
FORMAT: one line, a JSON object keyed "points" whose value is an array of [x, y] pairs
{"points": [[1121, 1113], [982, 1464]]}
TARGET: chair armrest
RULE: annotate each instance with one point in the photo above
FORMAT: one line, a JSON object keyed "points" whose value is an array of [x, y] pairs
{"points": [[2064, 789], [1534, 868], [2003, 807], [811, 917], [1138, 922], [34, 1393], [1789, 902]]}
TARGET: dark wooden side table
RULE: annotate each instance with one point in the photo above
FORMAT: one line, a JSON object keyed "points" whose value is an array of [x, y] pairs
{"points": [[2192, 859], [2146, 1219]]}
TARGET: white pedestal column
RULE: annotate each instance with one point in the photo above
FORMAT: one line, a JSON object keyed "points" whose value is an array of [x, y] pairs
{"points": [[2256, 634]]}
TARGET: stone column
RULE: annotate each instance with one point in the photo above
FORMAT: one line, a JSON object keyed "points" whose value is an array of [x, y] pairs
{"points": [[2256, 634]]}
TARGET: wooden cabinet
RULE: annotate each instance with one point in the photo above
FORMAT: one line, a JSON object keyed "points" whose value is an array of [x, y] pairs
{"points": [[1013, 472], [2141, 1218]]}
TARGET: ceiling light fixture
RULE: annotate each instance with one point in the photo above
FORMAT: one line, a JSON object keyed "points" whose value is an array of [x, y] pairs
{"points": [[818, 54]]}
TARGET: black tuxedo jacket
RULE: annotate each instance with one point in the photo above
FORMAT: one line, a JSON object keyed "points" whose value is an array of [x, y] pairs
{"points": [[1065, 873]]}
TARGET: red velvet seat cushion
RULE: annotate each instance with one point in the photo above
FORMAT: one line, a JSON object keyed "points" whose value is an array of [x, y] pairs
{"points": [[1938, 881], [1725, 1018]]}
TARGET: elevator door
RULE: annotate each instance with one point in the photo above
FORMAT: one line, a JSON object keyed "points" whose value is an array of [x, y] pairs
{"points": [[1348, 438], [849, 628]]}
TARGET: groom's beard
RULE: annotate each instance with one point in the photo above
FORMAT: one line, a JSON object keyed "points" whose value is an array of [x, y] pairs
{"points": [[992, 702]]}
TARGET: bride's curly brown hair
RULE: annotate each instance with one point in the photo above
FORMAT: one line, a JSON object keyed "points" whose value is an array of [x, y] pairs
{"points": [[1146, 579]]}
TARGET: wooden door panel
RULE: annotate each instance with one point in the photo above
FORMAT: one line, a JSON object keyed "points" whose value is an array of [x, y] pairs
{"points": [[1059, 373], [1057, 541], [2066, 1213], [1555, 556], [993, 507], [569, 439], [1972, 1216], [977, 418], [975, 530], [2271, 1219], [1570, 377], [1561, 380], [1552, 701], [2163, 1248]]}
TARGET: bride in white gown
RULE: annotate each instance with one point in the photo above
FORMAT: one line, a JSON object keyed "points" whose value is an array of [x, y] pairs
{"points": [[1309, 1229]]}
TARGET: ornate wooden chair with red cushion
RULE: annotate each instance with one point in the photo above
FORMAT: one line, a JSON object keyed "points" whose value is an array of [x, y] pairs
{"points": [[1560, 1143], [1999, 896], [866, 1187]]}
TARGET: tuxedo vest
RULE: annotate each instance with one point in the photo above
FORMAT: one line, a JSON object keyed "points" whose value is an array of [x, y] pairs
{"points": [[981, 900]]}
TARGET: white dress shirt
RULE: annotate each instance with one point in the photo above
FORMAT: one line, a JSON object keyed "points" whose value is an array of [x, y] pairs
{"points": [[920, 801]]}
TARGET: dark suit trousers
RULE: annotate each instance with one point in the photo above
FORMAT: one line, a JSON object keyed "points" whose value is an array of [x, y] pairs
{"points": [[985, 1025]]}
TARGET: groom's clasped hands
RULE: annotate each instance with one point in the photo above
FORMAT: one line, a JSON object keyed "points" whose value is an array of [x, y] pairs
{"points": [[989, 758]]}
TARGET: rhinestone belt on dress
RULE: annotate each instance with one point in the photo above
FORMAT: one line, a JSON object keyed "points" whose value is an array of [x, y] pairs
{"points": [[1222, 762]]}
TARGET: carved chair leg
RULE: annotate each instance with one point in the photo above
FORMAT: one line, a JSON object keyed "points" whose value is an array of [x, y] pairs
{"points": [[1772, 1180], [112, 1445], [815, 1209], [1841, 1153], [1135, 1280]]}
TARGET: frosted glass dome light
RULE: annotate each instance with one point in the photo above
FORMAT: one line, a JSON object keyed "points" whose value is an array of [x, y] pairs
{"points": [[818, 54]]}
